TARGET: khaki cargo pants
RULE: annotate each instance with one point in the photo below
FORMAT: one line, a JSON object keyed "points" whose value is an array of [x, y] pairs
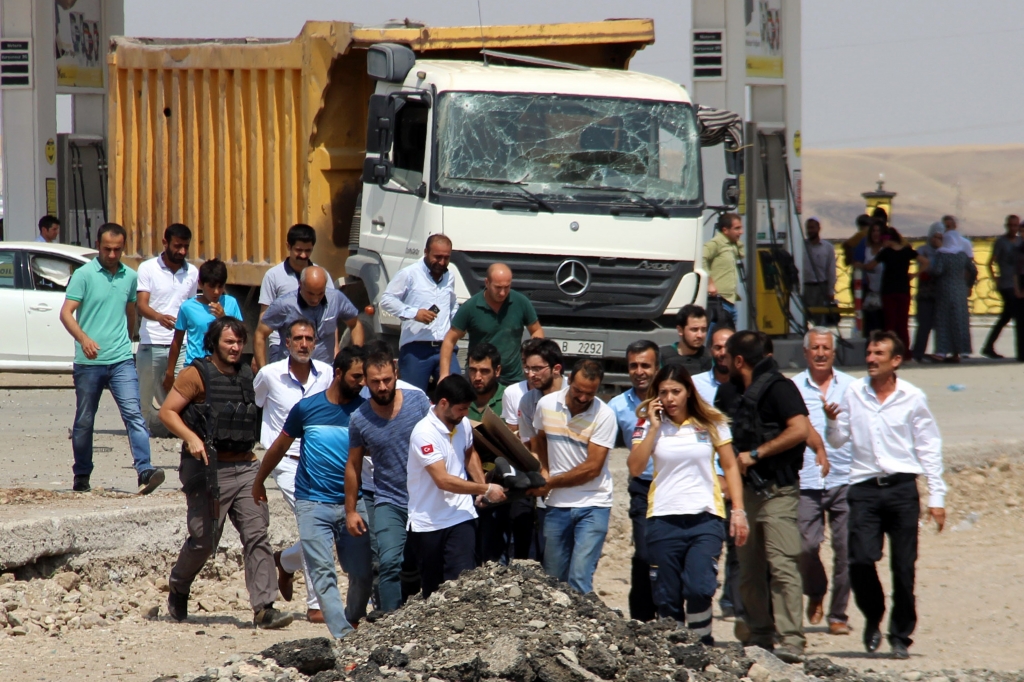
{"points": [[773, 546]]}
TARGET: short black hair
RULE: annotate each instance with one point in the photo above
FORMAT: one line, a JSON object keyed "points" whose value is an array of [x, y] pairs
{"points": [[48, 221], [348, 356], [484, 351], [113, 228], [879, 213], [642, 346], [379, 354], [863, 220], [213, 271], [546, 349], [589, 369], [179, 230], [746, 345], [688, 311], [437, 237], [456, 389], [301, 232], [216, 330], [898, 349], [290, 327], [726, 220], [766, 343]]}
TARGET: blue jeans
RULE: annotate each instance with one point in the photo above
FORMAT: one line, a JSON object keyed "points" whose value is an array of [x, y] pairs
{"points": [[574, 537], [122, 381], [321, 530], [390, 524], [419, 361]]}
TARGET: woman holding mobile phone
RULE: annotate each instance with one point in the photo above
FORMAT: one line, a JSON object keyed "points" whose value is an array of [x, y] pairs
{"points": [[685, 507]]}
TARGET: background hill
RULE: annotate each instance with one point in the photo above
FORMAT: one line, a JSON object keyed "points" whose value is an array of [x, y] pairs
{"points": [[978, 184]]}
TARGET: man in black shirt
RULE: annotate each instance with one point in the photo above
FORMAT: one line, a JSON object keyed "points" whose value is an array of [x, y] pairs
{"points": [[690, 352], [770, 428], [895, 257]]}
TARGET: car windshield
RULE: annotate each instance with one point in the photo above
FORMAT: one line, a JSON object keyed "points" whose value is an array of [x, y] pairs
{"points": [[566, 148]]}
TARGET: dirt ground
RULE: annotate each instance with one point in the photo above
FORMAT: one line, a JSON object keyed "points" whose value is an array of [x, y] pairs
{"points": [[968, 577]]}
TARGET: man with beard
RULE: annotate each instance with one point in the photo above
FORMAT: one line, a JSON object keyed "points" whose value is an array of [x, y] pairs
{"points": [[319, 304], [165, 282], [283, 278], [422, 296], [213, 400], [322, 422], [575, 430], [770, 432], [692, 325], [707, 383], [279, 386], [642, 364], [381, 429], [444, 474]]}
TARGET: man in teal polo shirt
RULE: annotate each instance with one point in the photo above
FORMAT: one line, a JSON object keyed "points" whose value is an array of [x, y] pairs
{"points": [[103, 293], [497, 315]]}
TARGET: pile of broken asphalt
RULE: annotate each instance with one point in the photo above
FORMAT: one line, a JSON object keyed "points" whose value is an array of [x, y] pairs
{"points": [[516, 623]]}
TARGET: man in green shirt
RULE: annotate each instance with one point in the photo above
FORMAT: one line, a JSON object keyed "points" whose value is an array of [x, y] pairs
{"points": [[484, 370], [99, 311], [721, 255], [497, 315]]}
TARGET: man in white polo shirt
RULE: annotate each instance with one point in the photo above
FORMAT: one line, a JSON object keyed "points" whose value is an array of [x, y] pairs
{"points": [[575, 431], [165, 282], [279, 386], [444, 474]]}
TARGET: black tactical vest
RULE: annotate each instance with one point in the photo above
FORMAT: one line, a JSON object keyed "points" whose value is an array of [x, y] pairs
{"points": [[229, 415], [749, 430]]}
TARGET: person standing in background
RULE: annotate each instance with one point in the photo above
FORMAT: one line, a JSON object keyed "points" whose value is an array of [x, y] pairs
{"points": [[422, 296], [926, 292], [896, 255], [690, 351], [721, 255], [1005, 253], [955, 274], [165, 282], [49, 230], [819, 271], [863, 254]]}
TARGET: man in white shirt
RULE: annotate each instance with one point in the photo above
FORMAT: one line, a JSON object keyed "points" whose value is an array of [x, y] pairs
{"points": [[642, 364], [278, 387], [165, 282], [443, 477], [895, 439], [575, 430], [422, 296], [824, 497], [707, 383]]}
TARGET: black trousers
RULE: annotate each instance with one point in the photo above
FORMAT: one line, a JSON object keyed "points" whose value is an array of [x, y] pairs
{"points": [[1010, 305], [876, 511], [641, 601], [445, 554]]}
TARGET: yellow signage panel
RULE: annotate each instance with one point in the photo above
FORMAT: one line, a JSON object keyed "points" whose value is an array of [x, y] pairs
{"points": [[51, 196]]}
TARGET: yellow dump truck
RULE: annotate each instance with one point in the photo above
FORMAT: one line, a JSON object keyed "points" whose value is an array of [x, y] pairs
{"points": [[531, 145]]}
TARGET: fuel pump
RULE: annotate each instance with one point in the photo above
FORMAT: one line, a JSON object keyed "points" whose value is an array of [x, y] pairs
{"points": [[82, 173]]}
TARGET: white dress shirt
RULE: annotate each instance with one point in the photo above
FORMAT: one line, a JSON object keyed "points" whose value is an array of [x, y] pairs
{"points": [[838, 458], [707, 384], [277, 391], [897, 436], [414, 289], [168, 289]]}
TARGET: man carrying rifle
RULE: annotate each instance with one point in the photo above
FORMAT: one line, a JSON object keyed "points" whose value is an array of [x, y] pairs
{"points": [[212, 408]]}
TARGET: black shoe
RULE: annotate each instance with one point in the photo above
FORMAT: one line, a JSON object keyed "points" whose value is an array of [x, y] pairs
{"points": [[177, 606], [991, 353], [872, 638], [81, 484], [150, 480], [899, 650], [270, 618]]}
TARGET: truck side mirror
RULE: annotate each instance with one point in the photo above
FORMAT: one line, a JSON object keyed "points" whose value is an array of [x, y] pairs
{"points": [[733, 161], [731, 192], [376, 171], [379, 125]]}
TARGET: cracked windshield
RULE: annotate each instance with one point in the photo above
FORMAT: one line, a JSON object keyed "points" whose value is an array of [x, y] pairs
{"points": [[566, 148]]}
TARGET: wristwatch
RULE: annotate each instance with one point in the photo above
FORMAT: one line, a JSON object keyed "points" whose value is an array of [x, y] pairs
{"points": [[753, 454]]}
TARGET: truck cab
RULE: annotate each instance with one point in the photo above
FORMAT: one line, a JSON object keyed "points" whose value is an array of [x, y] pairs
{"points": [[585, 181]]}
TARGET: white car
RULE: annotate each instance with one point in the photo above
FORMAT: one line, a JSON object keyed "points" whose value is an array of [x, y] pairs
{"points": [[33, 277]]}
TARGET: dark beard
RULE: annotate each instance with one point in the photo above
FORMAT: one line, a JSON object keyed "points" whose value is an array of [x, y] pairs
{"points": [[387, 399], [349, 393], [490, 387]]}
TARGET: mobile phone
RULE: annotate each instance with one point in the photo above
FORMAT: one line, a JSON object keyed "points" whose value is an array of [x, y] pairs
{"points": [[434, 309]]}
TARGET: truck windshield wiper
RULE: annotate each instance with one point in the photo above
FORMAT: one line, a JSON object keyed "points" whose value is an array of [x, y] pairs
{"points": [[518, 184], [658, 210]]}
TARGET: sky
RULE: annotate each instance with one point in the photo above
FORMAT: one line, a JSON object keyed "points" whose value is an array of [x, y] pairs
{"points": [[877, 73]]}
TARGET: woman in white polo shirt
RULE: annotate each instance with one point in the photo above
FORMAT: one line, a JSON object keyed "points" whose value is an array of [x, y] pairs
{"points": [[685, 507]]}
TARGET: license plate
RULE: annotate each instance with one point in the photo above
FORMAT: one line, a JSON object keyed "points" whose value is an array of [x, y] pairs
{"points": [[575, 347]]}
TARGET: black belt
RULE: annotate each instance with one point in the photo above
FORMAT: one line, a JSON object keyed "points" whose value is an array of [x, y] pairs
{"points": [[887, 480], [432, 344]]}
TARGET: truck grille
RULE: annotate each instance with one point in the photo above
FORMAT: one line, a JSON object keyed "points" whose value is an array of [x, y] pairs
{"points": [[620, 288]]}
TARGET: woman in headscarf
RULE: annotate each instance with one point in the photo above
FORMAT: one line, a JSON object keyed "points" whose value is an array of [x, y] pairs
{"points": [[926, 291], [954, 273]]}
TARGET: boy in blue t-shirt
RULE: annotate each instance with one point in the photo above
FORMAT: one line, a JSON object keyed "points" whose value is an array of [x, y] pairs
{"points": [[197, 313]]}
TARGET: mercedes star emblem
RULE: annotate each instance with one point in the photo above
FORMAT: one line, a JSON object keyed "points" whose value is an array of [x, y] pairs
{"points": [[572, 278]]}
